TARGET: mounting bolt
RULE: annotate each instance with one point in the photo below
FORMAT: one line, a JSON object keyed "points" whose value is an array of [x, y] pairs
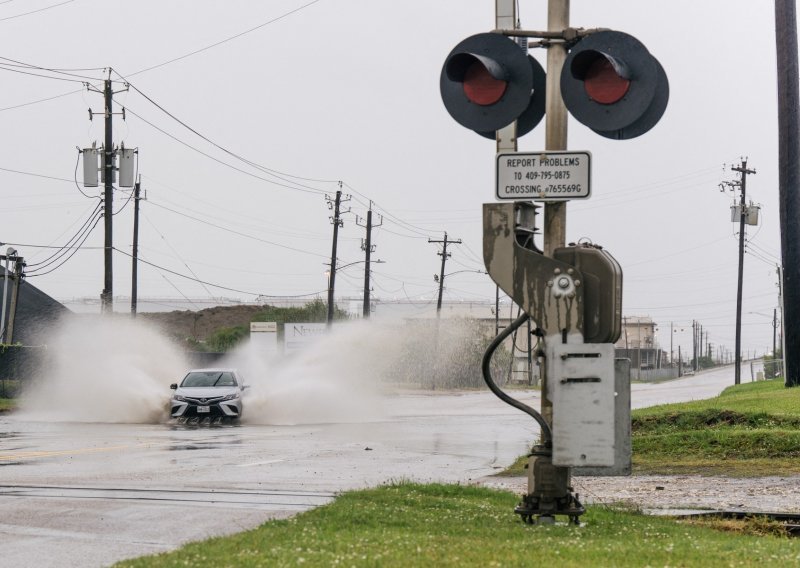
{"points": [[570, 271], [563, 282], [577, 283], [557, 271]]}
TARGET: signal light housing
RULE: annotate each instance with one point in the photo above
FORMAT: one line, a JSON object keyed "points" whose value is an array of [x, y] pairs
{"points": [[488, 81], [613, 85]]}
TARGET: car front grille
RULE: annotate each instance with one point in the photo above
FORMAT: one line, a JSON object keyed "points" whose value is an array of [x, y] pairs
{"points": [[204, 401], [213, 411]]}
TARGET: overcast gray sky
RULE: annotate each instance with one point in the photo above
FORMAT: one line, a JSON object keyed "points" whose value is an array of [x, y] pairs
{"points": [[348, 90]]}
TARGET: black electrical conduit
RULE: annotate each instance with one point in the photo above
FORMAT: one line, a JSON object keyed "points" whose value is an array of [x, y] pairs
{"points": [[547, 433]]}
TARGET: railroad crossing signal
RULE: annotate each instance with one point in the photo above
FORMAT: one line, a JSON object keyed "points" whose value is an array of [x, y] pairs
{"points": [[610, 82], [488, 82]]}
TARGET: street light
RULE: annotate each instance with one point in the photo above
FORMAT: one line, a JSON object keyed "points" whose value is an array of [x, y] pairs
{"points": [[441, 285], [359, 262], [366, 287]]}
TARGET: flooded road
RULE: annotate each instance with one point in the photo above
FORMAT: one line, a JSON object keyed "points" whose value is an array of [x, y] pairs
{"points": [[88, 494]]}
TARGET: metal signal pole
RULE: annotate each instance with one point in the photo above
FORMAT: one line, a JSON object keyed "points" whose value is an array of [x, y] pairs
{"points": [[556, 120]]}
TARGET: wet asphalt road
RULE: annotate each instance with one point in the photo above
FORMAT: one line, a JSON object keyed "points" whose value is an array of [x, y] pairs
{"points": [[83, 495]]}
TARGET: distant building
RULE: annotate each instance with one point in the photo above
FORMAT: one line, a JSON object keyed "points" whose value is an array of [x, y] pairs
{"points": [[638, 343]]}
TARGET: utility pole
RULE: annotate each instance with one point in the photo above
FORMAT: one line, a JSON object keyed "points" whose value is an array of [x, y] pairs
{"points": [[703, 338], [694, 345], [445, 255], [671, 331], [108, 168], [742, 186], [135, 256], [774, 336], [337, 222], [367, 247], [10, 255], [107, 297], [789, 181], [19, 265], [782, 307]]}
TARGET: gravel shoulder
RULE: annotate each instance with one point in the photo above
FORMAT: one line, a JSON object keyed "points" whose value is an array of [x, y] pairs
{"points": [[757, 494]]}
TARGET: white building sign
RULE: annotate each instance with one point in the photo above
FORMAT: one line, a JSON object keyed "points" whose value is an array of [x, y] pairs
{"points": [[299, 336]]}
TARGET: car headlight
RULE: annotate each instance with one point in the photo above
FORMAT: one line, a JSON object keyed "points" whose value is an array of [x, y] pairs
{"points": [[179, 398], [233, 396]]}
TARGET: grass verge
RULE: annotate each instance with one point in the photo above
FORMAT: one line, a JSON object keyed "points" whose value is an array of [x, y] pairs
{"points": [[749, 430], [450, 525], [8, 404]]}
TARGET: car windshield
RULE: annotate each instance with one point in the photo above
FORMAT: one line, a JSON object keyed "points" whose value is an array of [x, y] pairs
{"points": [[209, 379]]}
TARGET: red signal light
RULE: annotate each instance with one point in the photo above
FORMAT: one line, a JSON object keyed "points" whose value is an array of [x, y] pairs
{"points": [[603, 84], [480, 87]]}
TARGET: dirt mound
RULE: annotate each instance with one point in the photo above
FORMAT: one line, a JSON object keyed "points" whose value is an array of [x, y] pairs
{"points": [[199, 325]]}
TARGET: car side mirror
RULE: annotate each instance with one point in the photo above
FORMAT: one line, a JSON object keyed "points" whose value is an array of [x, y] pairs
{"points": [[173, 386]]}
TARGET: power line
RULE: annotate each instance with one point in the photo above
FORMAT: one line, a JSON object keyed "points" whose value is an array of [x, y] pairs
{"points": [[397, 220], [757, 256], [677, 253], [37, 11], [75, 250], [259, 220], [264, 169], [750, 243], [35, 175], [37, 101], [151, 202], [195, 52], [124, 205], [185, 297], [96, 211], [226, 40], [68, 72], [304, 189], [405, 236], [249, 293], [163, 238], [5, 67]]}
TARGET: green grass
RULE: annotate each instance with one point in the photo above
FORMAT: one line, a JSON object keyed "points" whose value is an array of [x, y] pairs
{"points": [[450, 525], [7, 404], [770, 397], [749, 430], [9, 388]]}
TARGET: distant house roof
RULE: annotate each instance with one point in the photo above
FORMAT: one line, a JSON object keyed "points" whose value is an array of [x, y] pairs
{"points": [[36, 312]]}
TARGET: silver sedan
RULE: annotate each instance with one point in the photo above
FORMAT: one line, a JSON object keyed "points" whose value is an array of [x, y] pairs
{"points": [[208, 392]]}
